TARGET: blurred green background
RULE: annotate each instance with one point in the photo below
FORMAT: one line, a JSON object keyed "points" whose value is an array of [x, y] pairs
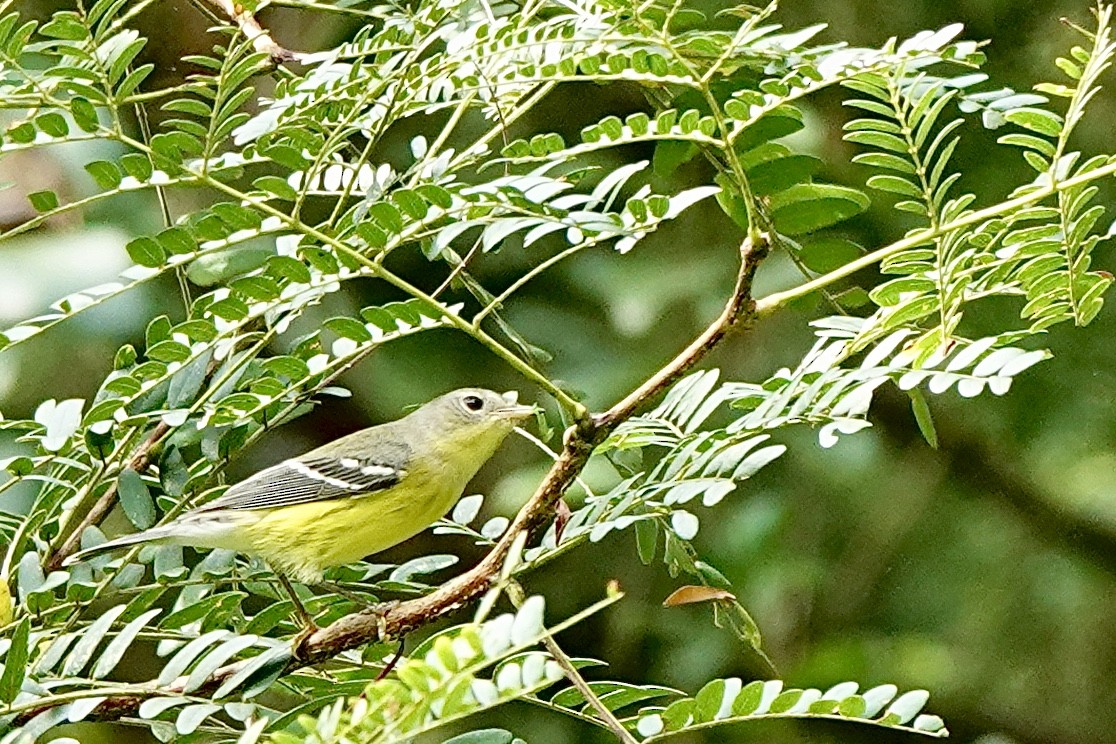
{"points": [[984, 571]]}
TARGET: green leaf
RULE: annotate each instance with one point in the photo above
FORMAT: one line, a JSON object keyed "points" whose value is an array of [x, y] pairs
{"points": [[482, 736], [146, 251], [15, 661], [276, 186], [825, 253], [289, 268], [173, 472], [169, 351], [53, 123], [1036, 120], [878, 140], [216, 658], [133, 80], [812, 206], [777, 174], [387, 216], [105, 174], [749, 699], [85, 114], [707, 702], [777, 123], [895, 185], [176, 240], [119, 645], [732, 203], [65, 25], [135, 498], [349, 328], [670, 155], [647, 539], [853, 706], [257, 674], [215, 268], [91, 637], [43, 201], [923, 417], [192, 716], [137, 166]]}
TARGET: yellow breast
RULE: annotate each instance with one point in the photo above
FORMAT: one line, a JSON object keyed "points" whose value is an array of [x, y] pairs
{"points": [[303, 540]]}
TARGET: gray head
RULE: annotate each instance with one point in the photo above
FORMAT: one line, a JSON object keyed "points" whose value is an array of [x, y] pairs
{"points": [[469, 407]]}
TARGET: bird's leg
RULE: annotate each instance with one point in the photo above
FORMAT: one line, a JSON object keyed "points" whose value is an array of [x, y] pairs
{"points": [[309, 627], [381, 611]]}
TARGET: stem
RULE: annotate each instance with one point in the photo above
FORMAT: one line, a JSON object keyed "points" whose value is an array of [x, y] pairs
{"points": [[518, 283], [139, 463], [515, 592], [254, 32], [767, 305]]}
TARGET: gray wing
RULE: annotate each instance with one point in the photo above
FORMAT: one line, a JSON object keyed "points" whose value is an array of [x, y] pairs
{"points": [[311, 478]]}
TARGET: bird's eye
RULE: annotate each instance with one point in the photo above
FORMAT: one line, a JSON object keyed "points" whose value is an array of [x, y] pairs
{"points": [[473, 402]]}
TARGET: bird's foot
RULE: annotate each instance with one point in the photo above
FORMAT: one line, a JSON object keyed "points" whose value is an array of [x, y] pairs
{"points": [[309, 628], [381, 610]]}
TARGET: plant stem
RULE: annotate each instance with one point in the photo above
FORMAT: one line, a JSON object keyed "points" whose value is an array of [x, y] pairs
{"points": [[515, 593], [767, 305]]}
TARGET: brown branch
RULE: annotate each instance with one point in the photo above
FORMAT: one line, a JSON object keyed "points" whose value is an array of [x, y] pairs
{"points": [[140, 461], [581, 439], [740, 309], [254, 32]]}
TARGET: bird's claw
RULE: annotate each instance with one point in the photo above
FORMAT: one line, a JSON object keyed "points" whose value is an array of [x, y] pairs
{"points": [[381, 610], [308, 629]]}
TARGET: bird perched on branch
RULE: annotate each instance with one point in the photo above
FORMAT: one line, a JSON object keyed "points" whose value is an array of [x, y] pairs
{"points": [[350, 498]]}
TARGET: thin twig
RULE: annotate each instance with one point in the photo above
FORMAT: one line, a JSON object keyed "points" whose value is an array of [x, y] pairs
{"points": [[515, 593], [140, 461], [462, 263], [740, 308]]}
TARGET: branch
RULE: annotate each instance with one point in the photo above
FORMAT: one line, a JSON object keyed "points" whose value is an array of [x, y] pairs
{"points": [[139, 463], [741, 309], [254, 32], [581, 439], [772, 302], [515, 591]]}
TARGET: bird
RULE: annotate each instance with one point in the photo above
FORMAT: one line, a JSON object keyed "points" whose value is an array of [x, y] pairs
{"points": [[350, 498]]}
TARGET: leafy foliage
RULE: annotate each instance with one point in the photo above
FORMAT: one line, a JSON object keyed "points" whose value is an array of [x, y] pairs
{"points": [[311, 193]]}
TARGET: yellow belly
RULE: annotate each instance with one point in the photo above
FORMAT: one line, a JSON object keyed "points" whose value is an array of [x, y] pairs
{"points": [[303, 540]]}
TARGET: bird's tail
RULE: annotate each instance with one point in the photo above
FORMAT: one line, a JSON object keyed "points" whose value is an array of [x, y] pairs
{"points": [[155, 534]]}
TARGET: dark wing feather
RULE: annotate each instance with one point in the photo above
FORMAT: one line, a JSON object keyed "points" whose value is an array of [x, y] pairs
{"points": [[307, 479]]}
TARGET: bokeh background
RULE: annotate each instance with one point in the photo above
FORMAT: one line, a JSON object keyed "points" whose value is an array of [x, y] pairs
{"points": [[984, 571]]}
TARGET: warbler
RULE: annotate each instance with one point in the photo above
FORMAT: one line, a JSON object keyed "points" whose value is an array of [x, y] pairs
{"points": [[353, 497]]}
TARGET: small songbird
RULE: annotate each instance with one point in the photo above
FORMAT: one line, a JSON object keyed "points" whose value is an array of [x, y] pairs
{"points": [[350, 498]]}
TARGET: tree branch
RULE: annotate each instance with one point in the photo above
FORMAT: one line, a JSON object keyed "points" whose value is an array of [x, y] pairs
{"points": [[139, 463], [581, 439]]}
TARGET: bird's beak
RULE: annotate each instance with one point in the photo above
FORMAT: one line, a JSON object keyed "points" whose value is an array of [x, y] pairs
{"points": [[512, 408]]}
